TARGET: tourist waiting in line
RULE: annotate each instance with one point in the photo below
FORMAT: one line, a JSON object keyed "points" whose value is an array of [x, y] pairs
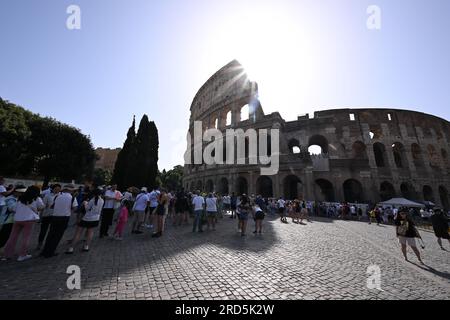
{"points": [[258, 216], [161, 212], [139, 208], [7, 219], [244, 211], [64, 205], [181, 208], [111, 199], [198, 203], [26, 215], [46, 216], [122, 220], [281, 204], [233, 205], [151, 217], [211, 211], [88, 222]]}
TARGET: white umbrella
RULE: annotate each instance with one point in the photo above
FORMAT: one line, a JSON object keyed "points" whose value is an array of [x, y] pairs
{"points": [[402, 202]]}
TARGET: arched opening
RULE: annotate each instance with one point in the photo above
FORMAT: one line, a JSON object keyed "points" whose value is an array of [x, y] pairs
{"points": [[293, 188], [294, 146], [444, 156], [264, 187], [317, 145], [428, 194], [245, 112], [443, 194], [209, 186], [379, 151], [407, 191], [399, 155], [199, 185], [223, 186], [387, 191], [228, 121], [241, 186], [353, 191], [433, 156], [326, 191], [416, 152], [359, 150]]}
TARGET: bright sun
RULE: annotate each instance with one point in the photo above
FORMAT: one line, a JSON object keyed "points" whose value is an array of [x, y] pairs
{"points": [[269, 44]]}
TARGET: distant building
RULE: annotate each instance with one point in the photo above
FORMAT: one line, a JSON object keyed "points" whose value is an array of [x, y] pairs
{"points": [[107, 158]]}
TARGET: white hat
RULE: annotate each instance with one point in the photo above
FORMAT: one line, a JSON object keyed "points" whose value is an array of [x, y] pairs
{"points": [[144, 189]]}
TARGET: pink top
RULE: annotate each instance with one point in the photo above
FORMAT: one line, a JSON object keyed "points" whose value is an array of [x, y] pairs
{"points": [[123, 215]]}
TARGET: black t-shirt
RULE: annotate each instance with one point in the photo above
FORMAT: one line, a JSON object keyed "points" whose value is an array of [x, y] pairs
{"points": [[405, 227]]}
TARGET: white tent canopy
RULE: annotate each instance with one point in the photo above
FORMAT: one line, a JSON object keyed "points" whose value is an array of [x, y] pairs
{"points": [[402, 202]]}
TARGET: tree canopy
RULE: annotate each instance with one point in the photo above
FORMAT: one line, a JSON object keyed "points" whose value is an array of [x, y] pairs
{"points": [[137, 162], [31, 145]]}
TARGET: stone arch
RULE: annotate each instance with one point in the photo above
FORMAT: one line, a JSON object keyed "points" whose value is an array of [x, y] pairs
{"points": [[428, 193], [228, 118], [359, 150], [192, 186], [223, 186], [209, 186], [293, 187], [443, 194], [241, 186], [245, 113], [379, 151], [407, 191], [387, 191], [353, 191], [326, 190], [294, 146], [433, 156], [199, 185], [399, 153], [319, 140], [417, 156], [264, 187]]}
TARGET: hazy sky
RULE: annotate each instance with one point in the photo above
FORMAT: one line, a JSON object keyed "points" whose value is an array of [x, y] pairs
{"points": [[140, 56]]}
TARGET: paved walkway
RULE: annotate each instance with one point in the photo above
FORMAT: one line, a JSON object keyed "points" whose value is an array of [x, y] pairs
{"points": [[324, 259]]}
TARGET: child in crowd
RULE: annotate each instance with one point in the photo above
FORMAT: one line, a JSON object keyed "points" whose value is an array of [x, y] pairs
{"points": [[122, 220]]}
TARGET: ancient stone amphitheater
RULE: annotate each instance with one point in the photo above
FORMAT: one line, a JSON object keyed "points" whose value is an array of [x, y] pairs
{"points": [[366, 155]]}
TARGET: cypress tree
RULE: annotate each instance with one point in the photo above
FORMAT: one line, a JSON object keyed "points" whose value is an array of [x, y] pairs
{"points": [[147, 145], [125, 159]]}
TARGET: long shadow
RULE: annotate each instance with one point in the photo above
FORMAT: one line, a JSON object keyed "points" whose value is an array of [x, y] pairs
{"points": [[425, 267], [108, 259]]}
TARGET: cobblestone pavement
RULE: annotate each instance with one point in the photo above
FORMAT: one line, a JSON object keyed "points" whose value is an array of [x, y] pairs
{"points": [[324, 259]]}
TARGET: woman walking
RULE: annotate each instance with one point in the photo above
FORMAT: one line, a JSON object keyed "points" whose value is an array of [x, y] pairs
{"points": [[88, 222], [406, 233], [258, 216], [27, 213], [122, 220]]}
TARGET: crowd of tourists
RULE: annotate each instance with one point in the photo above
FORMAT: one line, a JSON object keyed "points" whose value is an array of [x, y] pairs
{"points": [[22, 208]]}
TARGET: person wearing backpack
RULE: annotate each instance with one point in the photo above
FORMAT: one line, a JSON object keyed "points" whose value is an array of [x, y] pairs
{"points": [[139, 208]]}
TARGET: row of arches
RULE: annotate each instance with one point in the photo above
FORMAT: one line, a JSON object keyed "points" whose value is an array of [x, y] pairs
{"points": [[324, 190], [245, 114], [318, 144]]}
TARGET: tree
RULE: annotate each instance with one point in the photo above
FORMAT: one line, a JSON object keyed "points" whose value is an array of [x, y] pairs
{"points": [[101, 177], [172, 179], [137, 162], [37, 146]]}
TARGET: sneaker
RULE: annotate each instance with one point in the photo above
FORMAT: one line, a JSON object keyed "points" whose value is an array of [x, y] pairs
{"points": [[85, 249], [5, 259], [69, 251], [119, 238], [23, 258]]}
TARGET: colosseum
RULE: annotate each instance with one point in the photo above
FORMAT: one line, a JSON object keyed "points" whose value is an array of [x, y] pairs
{"points": [[366, 155]]}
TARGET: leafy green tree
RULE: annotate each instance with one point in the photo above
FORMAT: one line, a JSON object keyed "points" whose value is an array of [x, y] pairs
{"points": [[101, 177], [172, 179]]}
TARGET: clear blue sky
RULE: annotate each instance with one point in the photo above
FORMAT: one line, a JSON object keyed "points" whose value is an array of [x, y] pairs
{"points": [[140, 56]]}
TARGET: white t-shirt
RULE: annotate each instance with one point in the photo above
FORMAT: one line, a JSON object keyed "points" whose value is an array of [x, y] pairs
{"points": [[281, 203], [226, 199], [48, 203], [109, 204], [211, 204], [153, 197], [141, 202], [28, 212], [64, 205], [93, 211], [2, 198], [198, 203]]}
